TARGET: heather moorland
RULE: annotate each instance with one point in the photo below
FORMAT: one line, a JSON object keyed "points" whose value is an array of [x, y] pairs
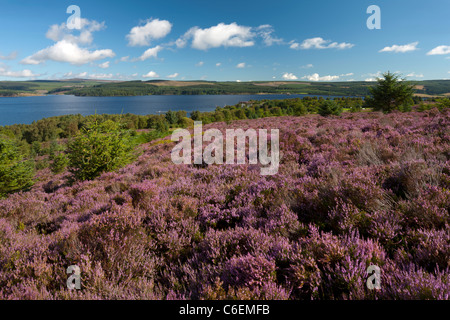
{"points": [[352, 190]]}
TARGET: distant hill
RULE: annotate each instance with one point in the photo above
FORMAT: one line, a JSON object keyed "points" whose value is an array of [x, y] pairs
{"points": [[84, 87]]}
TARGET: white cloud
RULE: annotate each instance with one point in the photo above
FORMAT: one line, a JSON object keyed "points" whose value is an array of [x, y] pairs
{"points": [[347, 74], [440, 50], [70, 74], [65, 51], [100, 76], [104, 65], [265, 32], [151, 74], [173, 75], [289, 76], [199, 64], [226, 35], [86, 75], [401, 49], [11, 56], [61, 32], [240, 65], [218, 64], [320, 43], [414, 75], [152, 30], [67, 47], [294, 45], [150, 53], [125, 59], [308, 66], [26, 73], [378, 74], [370, 80], [316, 77]]}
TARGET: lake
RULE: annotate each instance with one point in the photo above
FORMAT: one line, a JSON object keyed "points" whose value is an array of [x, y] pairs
{"points": [[28, 109]]}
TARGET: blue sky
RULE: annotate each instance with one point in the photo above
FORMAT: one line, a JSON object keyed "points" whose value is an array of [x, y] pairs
{"points": [[224, 40]]}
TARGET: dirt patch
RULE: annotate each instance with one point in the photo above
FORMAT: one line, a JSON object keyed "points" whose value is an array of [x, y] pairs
{"points": [[423, 95]]}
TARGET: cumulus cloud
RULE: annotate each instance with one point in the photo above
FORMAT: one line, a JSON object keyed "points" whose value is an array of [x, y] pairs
{"points": [[173, 75], [226, 35], [11, 56], [307, 66], [101, 76], [440, 50], [401, 48], [294, 45], [240, 65], [152, 30], [151, 74], [67, 47], [316, 77], [104, 65], [266, 33], [199, 64], [218, 64], [86, 75], [70, 74], [62, 32], [150, 53], [320, 43], [289, 76], [65, 51], [26, 73], [124, 59], [414, 75]]}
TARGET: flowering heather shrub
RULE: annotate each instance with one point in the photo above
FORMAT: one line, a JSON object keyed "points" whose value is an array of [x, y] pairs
{"points": [[351, 191]]}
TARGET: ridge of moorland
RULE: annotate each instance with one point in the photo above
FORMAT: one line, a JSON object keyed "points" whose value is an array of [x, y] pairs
{"points": [[82, 87]]}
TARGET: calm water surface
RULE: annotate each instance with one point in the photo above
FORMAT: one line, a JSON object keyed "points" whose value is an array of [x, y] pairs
{"points": [[28, 109]]}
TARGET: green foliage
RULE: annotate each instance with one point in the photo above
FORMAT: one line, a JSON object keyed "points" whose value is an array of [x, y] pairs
{"points": [[60, 163], [329, 108], [99, 148], [185, 122], [162, 126], [391, 93], [355, 108], [36, 148], [443, 104], [15, 173], [171, 117]]}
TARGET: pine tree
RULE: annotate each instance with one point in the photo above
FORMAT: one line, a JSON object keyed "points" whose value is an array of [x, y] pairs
{"points": [[391, 93], [15, 173]]}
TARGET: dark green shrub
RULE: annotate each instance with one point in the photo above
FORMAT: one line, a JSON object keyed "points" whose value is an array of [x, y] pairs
{"points": [[15, 173], [391, 93], [329, 108], [60, 163], [97, 149]]}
